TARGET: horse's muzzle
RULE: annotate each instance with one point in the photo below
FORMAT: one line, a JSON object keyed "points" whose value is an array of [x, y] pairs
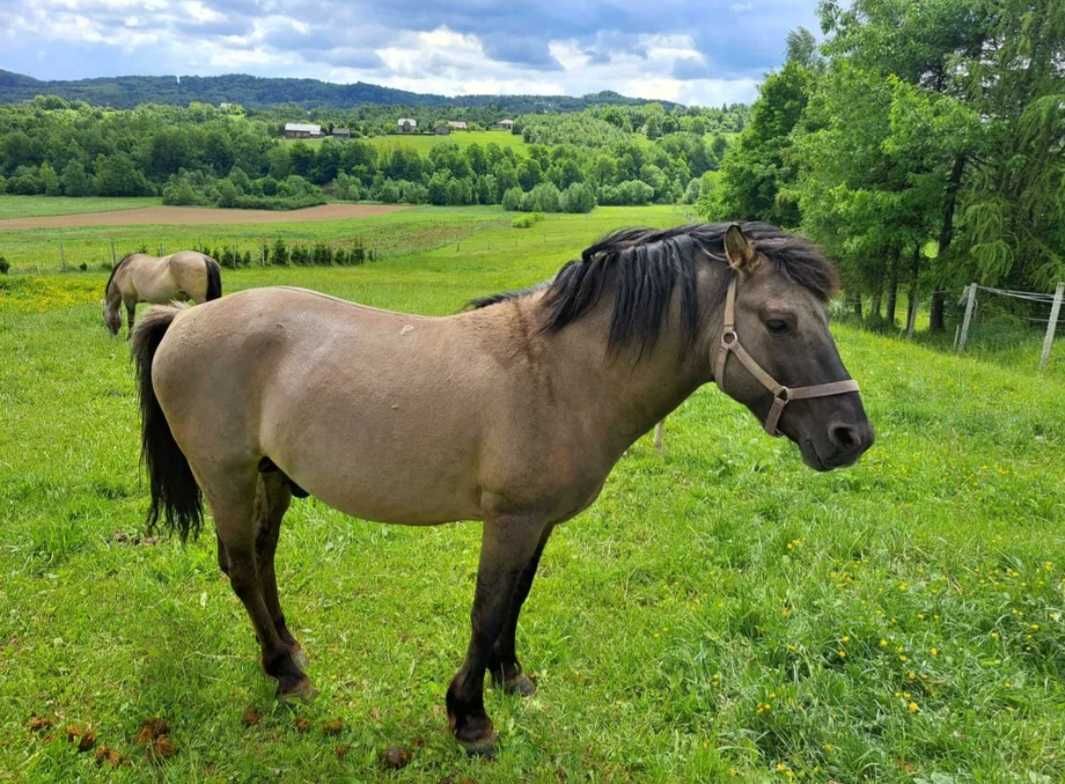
{"points": [[842, 444]]}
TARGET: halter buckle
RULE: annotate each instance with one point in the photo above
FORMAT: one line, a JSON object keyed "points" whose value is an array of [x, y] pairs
{"points": [[729, 338], [783, 394]]}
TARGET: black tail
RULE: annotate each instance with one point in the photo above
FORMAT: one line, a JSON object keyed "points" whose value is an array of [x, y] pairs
{"points": [[176, 498], [214, 279]]}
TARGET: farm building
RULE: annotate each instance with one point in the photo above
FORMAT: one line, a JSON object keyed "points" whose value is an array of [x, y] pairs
{"points": [[407, 125], [302, 130], [442, 129], [342, 133], [457, 125], [506, 125]]}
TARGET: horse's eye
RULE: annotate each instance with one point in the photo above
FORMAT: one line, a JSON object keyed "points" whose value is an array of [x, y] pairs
{"points": [[777, 326]]}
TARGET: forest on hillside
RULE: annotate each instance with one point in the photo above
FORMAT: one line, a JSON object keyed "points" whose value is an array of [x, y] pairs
{"points": [[202, 154], [126, 92], [923, 144]]}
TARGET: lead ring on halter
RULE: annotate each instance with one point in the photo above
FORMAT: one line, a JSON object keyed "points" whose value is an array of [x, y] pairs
{"points": [[782, 395]]}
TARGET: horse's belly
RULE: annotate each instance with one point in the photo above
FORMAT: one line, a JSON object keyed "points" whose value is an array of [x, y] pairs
{"points": [[408, 464]]}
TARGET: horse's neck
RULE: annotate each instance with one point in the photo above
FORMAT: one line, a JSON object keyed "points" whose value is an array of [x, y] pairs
{"points": [[113, 294], [615, 394]]}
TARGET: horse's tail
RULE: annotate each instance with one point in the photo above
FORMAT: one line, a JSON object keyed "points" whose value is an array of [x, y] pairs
{"points": [[176, 498], [214, 279]]}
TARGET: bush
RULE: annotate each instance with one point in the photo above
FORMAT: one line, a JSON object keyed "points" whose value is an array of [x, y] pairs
{"points": [[5, 266], [512, 199], [628, 192], [26, 181], [578, 197], [544, 197]]}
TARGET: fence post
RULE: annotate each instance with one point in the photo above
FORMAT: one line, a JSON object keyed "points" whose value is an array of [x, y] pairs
{"points": [[1052, 325], [62, 258], [969, 303], [114, 258]]}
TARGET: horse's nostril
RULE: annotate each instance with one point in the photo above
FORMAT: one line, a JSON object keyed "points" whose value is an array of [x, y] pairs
{"points": [[844, 436]]}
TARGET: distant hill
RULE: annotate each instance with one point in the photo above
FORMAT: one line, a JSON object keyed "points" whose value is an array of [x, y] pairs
{"points": [[252, 91]]}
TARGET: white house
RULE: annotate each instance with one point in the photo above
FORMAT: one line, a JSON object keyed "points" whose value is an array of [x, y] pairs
{"points": [[302, 130]]}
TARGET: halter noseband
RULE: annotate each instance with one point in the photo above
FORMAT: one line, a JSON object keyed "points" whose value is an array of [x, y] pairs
{"points": [[782, 395]]}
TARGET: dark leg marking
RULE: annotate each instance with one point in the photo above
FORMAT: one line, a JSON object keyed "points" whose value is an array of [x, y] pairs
{"points": [[504, 667], [506, 549]]}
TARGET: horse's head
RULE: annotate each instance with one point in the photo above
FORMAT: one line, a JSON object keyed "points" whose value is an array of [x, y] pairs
{"points": [[778, 358], [112, 317]]}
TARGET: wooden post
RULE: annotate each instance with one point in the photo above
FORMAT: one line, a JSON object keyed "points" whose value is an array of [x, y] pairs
{"points": [[114, 257], [660, 430], [969, 304], [62, 258], [1052, 325]]}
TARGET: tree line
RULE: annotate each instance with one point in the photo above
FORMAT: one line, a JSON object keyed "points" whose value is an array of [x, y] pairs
{"points": [[923, 144], [210, 156]]}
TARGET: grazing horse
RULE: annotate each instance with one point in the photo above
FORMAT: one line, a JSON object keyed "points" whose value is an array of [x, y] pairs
{"points": [[185, 275], [512, 412]]}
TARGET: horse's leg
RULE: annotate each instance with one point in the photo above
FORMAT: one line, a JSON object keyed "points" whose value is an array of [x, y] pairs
{"points": [[131, 311], [236, 521], [504, 667], [223, 559], [507, 546], [274, 499]]}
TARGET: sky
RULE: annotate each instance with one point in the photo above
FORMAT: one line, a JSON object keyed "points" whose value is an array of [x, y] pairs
{"points": [[705, 53]]}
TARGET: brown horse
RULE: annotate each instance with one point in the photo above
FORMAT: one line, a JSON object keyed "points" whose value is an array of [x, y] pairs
{"points": [[185, 275], [512, 413]]}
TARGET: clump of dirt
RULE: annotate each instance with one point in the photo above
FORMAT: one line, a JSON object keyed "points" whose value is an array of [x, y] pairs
{"points": [[150, 730], [121, 537], [84, 737], [40, 724], [162, 749], [154, 735], [342, 750], [107, 755], [333, 727], [251, 716], [302, 724], [395, 757]]}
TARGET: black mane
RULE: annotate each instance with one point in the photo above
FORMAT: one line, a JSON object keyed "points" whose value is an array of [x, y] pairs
{"points": [[646, 265], [114, 269]]}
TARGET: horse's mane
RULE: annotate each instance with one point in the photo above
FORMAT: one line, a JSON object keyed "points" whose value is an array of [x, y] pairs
{"points": [[646, 265], [114, 269]]}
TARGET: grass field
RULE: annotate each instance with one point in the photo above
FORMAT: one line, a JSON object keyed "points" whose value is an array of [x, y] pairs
{"points": [[33, 206], [720, 614], [37, 250]]}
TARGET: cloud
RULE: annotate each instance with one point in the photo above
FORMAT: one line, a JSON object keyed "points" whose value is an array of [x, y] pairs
{"points": [[713, 51]]}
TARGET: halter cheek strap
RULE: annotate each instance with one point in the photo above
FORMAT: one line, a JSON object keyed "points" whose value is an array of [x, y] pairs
{"points": [[782, 395]]}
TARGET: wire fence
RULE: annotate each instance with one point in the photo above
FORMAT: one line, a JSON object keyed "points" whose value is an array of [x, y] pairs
{"points": [[1052, 319]]}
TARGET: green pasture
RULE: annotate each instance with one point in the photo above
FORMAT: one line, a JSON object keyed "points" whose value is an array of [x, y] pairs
{"points": [[401, 232], [721, 613], [35, 206]]}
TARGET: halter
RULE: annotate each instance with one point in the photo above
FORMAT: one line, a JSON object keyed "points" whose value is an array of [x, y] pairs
{"points": [[782, 395]]}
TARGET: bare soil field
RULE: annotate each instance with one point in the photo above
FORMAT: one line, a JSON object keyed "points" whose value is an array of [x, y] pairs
{"points": [[187, 216]]}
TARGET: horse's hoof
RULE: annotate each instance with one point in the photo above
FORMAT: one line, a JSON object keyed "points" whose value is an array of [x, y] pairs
{"points": [[481, 747], [522, 685], [302, 690]]}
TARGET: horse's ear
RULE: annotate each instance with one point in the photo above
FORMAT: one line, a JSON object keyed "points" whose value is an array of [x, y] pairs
{"points": [[739, 250]]}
